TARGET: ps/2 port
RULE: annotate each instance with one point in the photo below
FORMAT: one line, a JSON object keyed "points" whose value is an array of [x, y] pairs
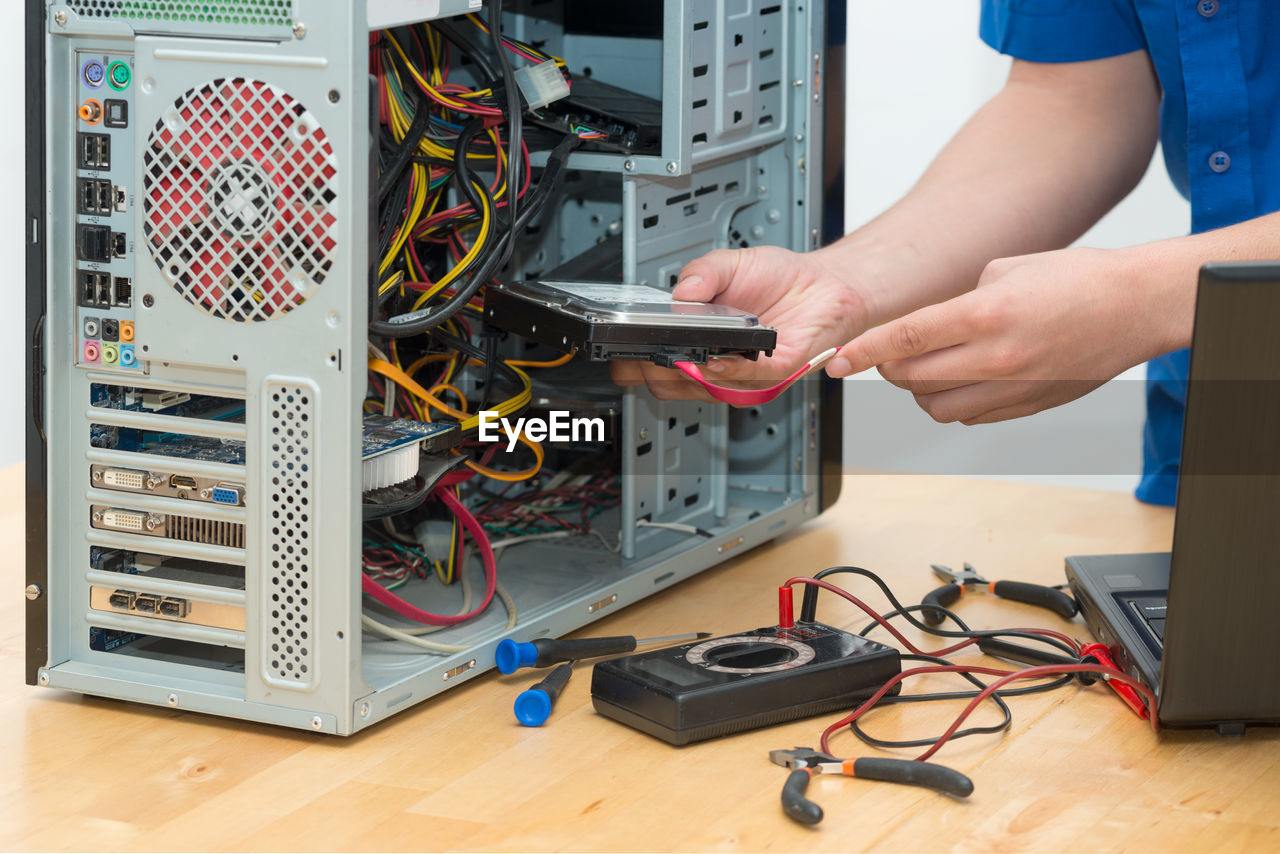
{"points": [[93, 73], [119, 76]]}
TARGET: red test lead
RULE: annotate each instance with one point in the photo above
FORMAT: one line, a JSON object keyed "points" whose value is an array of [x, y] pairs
{"points": [[786, 608], [1102, 655]]}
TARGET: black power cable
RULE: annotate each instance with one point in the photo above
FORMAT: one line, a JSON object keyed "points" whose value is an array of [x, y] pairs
{"points": [[427, 319]]}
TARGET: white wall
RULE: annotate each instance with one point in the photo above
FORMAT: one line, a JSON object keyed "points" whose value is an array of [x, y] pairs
{"points": [[916, 71], [12, 247]]}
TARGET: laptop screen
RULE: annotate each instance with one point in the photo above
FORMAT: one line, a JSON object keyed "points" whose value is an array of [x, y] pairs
{"points": [[1224, 585]]}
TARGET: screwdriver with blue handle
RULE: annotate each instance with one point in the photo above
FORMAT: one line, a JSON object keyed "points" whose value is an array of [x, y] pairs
{"points": [[544, 652], [1017, 591], [533, 707]]}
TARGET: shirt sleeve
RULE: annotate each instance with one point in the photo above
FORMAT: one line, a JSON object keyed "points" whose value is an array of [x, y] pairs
{"points": [[1061, 30]]}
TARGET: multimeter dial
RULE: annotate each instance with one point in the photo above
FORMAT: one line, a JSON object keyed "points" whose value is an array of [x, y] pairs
{"points": [[750, 654]]}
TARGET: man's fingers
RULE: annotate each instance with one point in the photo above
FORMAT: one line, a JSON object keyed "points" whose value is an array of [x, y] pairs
{"points": [[931, 328], [933, 372], [627, 373], [705, 278], [970, 403]]}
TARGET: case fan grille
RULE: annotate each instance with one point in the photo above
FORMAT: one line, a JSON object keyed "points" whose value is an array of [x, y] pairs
{"points": [[240, 199]]}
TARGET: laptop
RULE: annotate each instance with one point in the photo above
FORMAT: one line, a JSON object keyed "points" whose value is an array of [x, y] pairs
{"points": [[1199, 625]]}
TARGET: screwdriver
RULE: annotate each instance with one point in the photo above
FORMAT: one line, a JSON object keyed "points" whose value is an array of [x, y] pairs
{"points": [[544, 652], [533, 706]]}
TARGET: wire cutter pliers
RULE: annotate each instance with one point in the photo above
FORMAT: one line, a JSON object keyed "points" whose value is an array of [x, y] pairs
{"points": [[804, 762], [1019, 591]]}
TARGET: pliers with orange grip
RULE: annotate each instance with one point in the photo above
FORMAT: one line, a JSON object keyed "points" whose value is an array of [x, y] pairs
{"points": [[804, 762], [1018, 591]]}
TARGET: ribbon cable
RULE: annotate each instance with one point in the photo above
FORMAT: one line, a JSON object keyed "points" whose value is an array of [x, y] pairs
{"points": [[753, 397]]}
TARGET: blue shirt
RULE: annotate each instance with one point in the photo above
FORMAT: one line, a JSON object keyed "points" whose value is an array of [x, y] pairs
{"points": [[1219, 128]]}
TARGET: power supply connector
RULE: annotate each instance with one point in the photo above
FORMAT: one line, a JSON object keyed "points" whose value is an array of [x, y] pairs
{"points": [[541, 84]]}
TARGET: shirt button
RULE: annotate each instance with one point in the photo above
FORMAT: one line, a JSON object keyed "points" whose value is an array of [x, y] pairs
{"points": [[1219, 161], [1207, 8]]}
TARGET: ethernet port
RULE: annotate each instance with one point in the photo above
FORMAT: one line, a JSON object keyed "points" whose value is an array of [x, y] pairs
{"points": [[93, 242], [119, 244], [122, 291], [110, 329]]}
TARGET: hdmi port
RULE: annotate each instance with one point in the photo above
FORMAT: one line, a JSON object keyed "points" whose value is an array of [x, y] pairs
{"points": [[181, 481]]}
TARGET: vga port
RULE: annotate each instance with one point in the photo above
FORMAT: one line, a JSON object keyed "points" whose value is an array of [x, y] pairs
{"points": [[226, 493]]}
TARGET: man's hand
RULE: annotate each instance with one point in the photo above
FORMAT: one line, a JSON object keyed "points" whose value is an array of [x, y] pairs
{"points": [[812, 307], [1039, 331]]}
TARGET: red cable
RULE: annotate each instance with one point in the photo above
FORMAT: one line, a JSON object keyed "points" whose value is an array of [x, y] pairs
{"points": [[404, 609], [752, 397], [1007, 676], [901, 638]]}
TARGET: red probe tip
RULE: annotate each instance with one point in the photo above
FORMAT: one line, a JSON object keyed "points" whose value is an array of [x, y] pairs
{"points": [[786, 605]]}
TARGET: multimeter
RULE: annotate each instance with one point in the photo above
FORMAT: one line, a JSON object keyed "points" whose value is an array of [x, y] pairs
{"points": [[724, 685]]}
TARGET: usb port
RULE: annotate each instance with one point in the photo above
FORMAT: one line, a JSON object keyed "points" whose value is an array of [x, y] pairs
{"points": [[102, 289], [94, 150], [171, 607], [87, 287]]}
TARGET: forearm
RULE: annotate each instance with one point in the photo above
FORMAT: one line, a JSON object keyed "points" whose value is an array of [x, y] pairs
{"points": [[1031, 171], [1163, 276]]}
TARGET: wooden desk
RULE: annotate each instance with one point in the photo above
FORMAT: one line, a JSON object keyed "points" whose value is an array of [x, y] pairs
{"points": [[1076, 771]]}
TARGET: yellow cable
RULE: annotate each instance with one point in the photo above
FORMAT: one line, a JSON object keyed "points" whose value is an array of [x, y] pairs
{"points": [[475, 250], [471, 422], [554, 363]]}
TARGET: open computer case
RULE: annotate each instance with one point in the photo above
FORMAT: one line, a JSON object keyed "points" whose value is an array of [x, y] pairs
{"points": [[207, 223]]}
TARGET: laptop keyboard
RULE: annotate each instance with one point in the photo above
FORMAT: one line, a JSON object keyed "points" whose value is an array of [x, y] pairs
{"points": [[1151, 613]]}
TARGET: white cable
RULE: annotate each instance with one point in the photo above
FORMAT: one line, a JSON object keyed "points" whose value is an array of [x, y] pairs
{"points": [[670, 526], [404, 636]]}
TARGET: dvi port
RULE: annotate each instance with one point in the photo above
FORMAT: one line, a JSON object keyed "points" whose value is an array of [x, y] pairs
{"points": [[124, 520], [122, 478]]}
